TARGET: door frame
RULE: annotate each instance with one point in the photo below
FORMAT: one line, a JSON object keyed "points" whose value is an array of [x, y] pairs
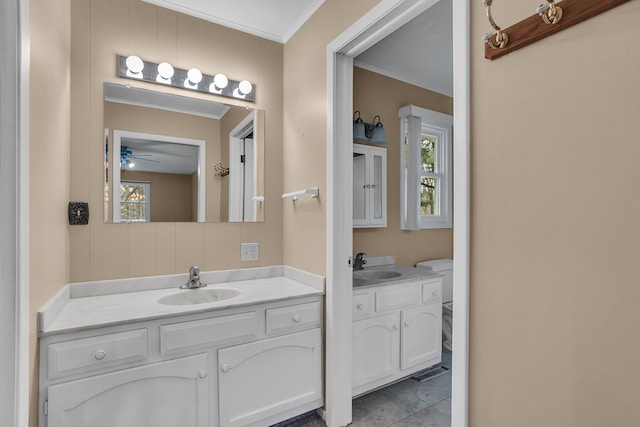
{"points": [[380, 21], [14, 197], [236, 181]]}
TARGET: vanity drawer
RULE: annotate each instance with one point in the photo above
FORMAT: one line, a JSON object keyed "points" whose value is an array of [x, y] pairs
{"points": [[432, 292], [210, 332], [293, 317], [361, 305], [86, 354], [390, 299]]}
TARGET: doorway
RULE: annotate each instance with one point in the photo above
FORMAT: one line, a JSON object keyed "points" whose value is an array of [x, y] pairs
{"points": [[382, 20]]}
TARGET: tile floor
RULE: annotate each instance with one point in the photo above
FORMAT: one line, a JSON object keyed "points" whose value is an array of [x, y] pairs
{"points": [[409, 403]]}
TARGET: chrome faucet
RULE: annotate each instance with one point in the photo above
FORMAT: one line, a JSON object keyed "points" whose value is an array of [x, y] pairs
{"points": [[359, 261], [194, 279]]}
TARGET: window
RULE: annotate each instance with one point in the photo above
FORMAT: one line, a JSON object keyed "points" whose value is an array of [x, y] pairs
{"points": [[426, 169], [135, 201]]}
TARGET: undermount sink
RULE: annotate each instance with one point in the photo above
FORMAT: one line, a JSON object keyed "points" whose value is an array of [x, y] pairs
{"points": [[361, 278], [199, 296]]}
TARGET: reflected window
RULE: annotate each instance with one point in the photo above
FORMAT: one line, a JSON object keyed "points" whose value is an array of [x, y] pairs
{"points": [[135, 199]]}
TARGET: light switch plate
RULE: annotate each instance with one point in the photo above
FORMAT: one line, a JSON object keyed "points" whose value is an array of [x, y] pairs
{"points": [[249, 252]]}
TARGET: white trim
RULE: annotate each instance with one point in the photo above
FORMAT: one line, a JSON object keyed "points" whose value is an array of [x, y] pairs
{"points": [[23, 304], [14, 199], [461, 214], [236, 180], [380, 21], [115, 160], [299, 22]]}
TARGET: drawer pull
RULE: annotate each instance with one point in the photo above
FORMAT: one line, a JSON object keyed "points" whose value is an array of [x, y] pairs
{"points": [[360, 307], [225, 368], [203, 374], [100, 354], [297, 318]]}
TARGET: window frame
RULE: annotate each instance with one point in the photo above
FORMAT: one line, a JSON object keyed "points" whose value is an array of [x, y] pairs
{"points": [[147, 200], [416, 122]]}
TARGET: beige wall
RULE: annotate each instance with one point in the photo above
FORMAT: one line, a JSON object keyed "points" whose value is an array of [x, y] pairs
{"points": [[171, 196], [100, 29], [49, 164], [555, 225], [305, 133], [374, 94]]}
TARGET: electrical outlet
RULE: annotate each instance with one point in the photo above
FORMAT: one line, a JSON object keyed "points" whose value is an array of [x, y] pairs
{"points": [[249, 252]]}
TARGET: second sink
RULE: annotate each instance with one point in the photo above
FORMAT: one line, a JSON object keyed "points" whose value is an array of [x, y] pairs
{"points": [[199, 296], [363, 278]]}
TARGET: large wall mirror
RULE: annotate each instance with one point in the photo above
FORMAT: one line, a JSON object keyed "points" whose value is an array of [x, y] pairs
{"points": [[172, 158]]}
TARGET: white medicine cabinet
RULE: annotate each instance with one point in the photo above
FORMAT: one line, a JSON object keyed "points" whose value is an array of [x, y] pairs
{"points": [[369, 186]]}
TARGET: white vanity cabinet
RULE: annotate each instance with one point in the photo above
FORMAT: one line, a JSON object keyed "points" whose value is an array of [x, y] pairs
{"points": [[164, 394], [369, 186], [247, 366], [397, 331], [250, 393]]}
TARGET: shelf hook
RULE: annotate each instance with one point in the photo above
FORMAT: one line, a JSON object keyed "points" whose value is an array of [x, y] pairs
{"points": [[501, 38], [550, 13]]}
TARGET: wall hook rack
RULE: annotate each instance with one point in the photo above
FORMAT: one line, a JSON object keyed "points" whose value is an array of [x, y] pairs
{"points": [[313, 192], [561, 15]]}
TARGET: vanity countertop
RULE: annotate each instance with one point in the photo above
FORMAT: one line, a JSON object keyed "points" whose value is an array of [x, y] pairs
{"points": [[367, 277], [85, 306]]}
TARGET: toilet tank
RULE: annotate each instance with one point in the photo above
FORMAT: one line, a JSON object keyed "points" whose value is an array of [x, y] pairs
{"points": [[444, 267]]}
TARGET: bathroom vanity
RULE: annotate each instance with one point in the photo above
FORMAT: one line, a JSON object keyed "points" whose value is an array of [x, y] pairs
{"points": [[125, 359], [397, 324]]}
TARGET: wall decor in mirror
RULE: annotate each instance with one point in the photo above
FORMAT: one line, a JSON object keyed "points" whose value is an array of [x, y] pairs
{"points": [[171, 158]]}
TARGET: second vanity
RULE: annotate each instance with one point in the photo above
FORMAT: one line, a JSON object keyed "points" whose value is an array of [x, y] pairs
{"points": [[397, 324], [112, 355]]}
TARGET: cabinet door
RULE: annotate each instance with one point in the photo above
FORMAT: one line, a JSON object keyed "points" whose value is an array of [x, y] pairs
{"points": [[360, 193], [166, 394], [369, 186], [375, 349], [265, 378], [378, 192], [421, 339]]}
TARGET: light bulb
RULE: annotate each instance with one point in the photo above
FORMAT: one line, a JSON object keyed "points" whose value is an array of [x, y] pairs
{"points": [[194, 75], [245, 87], [135, 64], [165, 70], [220, 80]]}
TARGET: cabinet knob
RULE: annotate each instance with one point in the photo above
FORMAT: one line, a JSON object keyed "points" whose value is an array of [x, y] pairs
{"points": [[100, 354], [368, 185], [297, 318], [373, 186], [395, 327], [407, 324], [203, 374], [225, 368], [360, 307]]}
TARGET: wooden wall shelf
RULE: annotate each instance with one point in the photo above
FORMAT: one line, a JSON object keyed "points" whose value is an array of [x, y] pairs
{"points": [[533, 28]]}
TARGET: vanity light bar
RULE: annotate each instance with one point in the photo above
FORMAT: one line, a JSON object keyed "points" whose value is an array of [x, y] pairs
{"points": [[132, 67]]}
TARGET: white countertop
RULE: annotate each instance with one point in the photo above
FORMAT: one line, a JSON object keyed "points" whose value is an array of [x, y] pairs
{"points": [[406, 274], [88, 305]]}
